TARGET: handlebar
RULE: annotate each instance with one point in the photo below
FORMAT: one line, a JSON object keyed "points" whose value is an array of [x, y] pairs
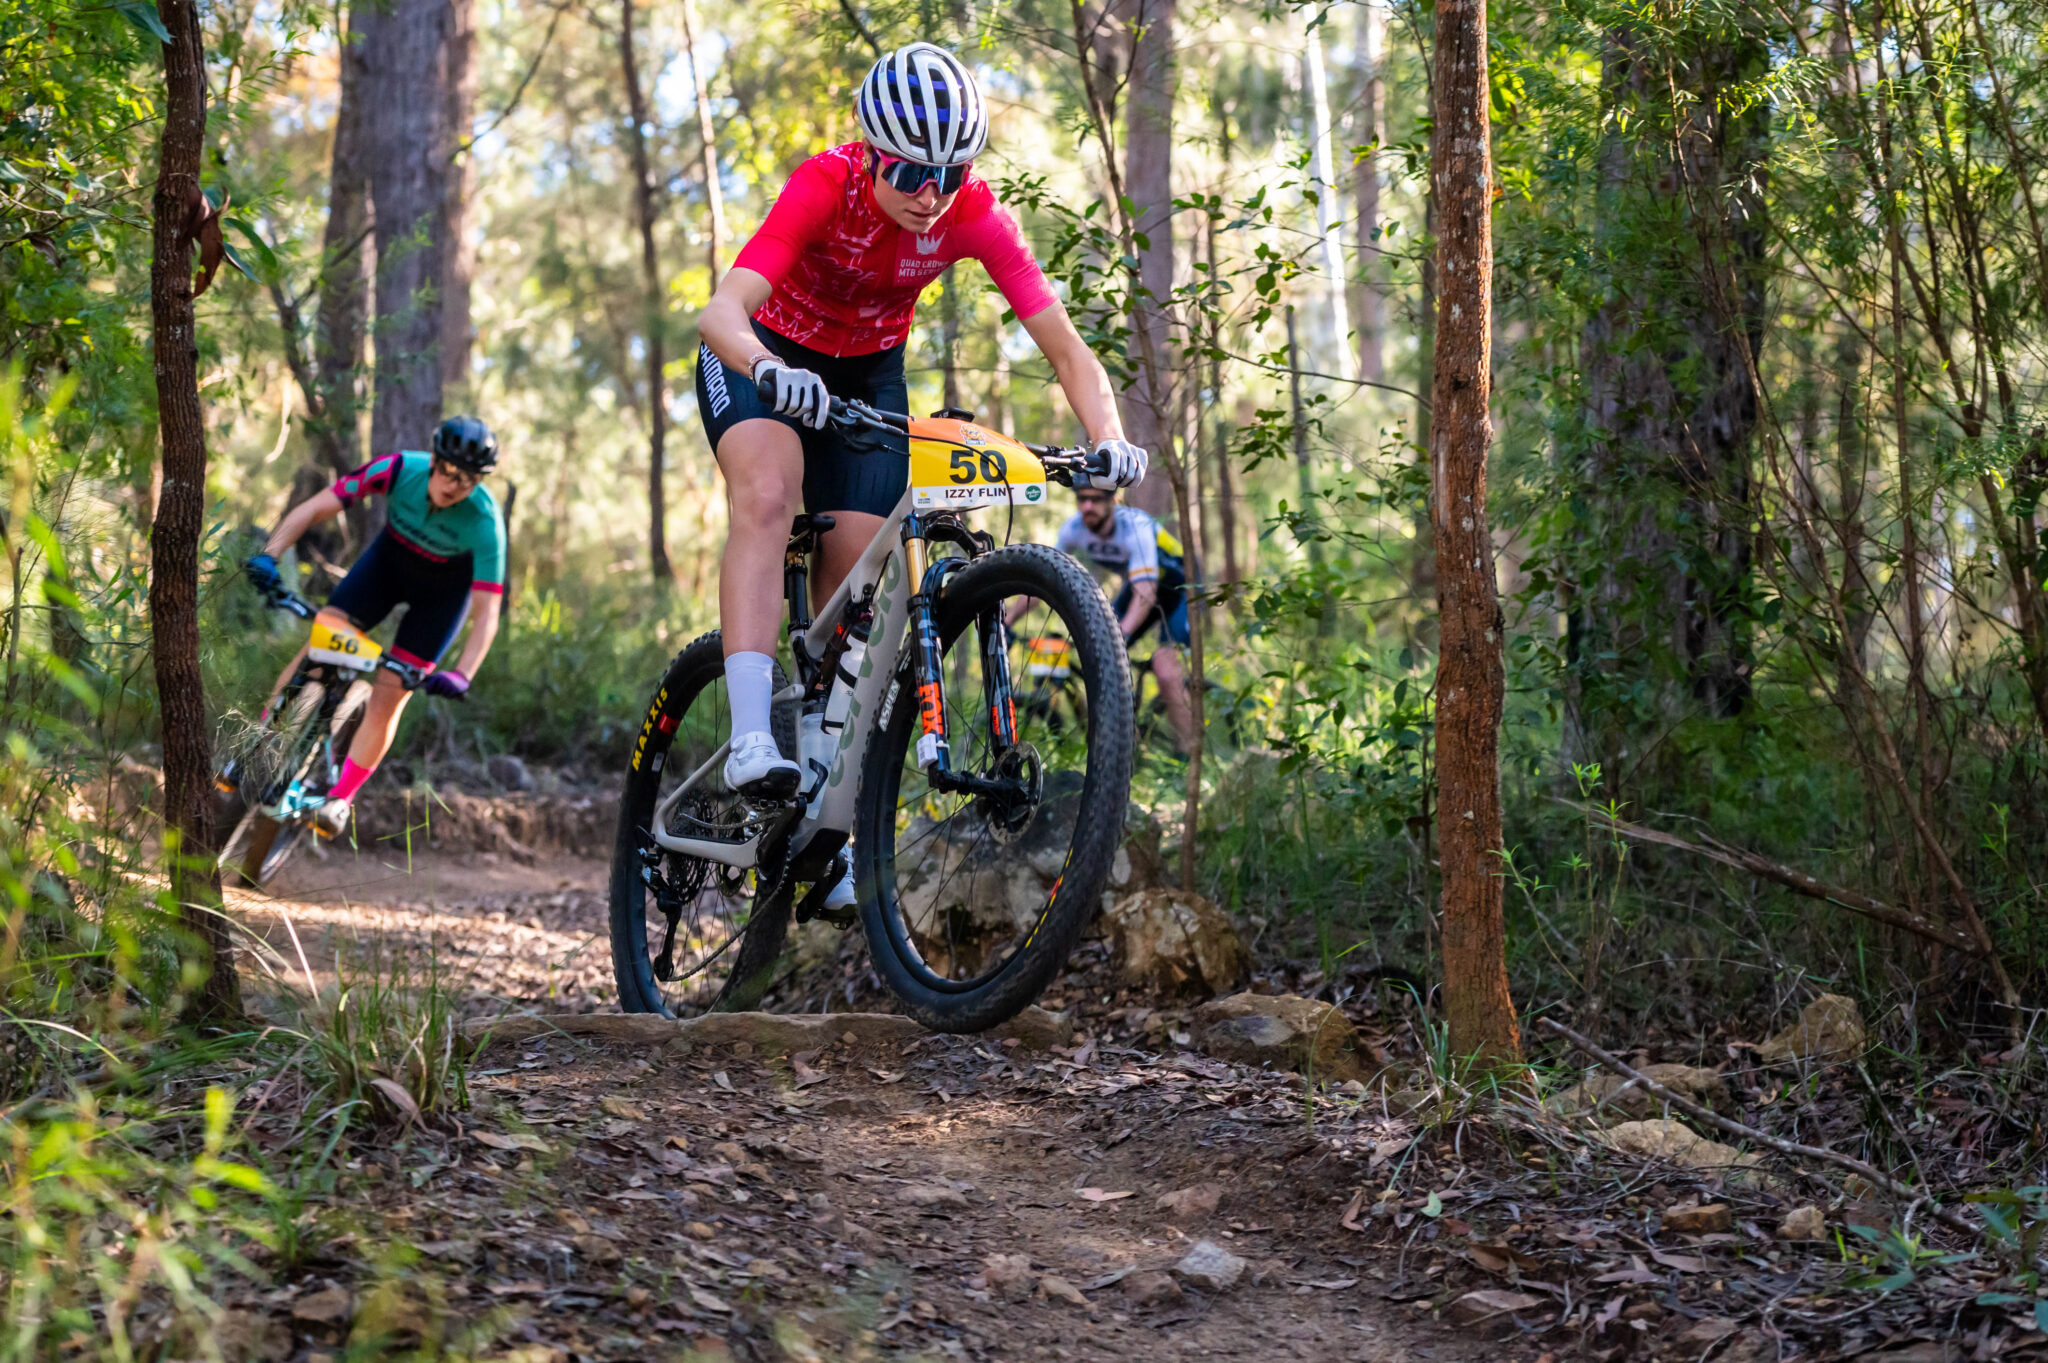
{"points": [[292, 603], [1062, 462]]}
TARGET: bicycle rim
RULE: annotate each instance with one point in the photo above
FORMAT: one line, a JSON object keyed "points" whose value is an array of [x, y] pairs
{"points": [[728, 935]]}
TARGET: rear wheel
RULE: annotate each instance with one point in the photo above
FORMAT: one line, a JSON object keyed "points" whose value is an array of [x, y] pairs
{"points": [[690, 935], [971, 903], [290, 757]]}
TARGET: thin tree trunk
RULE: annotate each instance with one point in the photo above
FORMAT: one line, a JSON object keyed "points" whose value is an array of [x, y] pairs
{"points": [[1152, 21], [1365, 188], [1329, 220], [180, 208], [714, 193], [650, 275], [1909, 548], [458, 252], [334, 421], [1470, 672], [1226, 487], [1305, 478], [406, 76], [949, 338], [1148, 181]]}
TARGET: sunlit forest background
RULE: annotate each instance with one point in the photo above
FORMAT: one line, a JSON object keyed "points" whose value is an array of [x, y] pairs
{"points": [[1771, 296]]}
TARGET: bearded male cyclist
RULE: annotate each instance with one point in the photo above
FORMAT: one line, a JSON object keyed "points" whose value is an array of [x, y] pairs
{"points": [[441, 554], [819, 303]]}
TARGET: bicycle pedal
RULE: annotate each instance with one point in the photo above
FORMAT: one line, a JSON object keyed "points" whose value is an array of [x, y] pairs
{"points": [[811, 908]]}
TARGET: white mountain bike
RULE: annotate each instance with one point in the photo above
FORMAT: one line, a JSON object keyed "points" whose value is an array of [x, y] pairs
{"points": [[980, 847]]}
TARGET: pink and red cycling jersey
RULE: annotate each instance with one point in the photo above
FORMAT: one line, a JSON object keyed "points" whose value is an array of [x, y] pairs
{"points": [[847, 278]]}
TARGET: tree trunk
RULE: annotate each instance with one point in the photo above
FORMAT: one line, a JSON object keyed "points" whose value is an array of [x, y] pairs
{"points": [[714, 193], [1668, 402], [1365, 188], [1305, 479], [1148, 180], [656, 312], [334, 424], [458, 252], [949, 338], [180, 208], [1226, 483], [1329, 219], [407, 74], [1470, 670]]}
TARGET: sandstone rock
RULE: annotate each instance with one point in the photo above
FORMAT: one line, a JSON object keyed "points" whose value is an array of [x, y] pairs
{"points": [[1697, 1220], [956, 872], [326, 1307], [1829, 1028], [1191, 1204], [597, 1249], [1176, 942], [1009, 1275], [1055, 1288], [509, 773], [1282, 1030], [251, 1337], [1608, 1098], [1803, 1223], [1490, 1308], [1151, 1289], [1211, 1267], [1666, 1139]]}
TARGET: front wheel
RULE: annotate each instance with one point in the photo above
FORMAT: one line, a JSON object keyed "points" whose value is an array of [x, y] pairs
{"points": [[970, 904]]}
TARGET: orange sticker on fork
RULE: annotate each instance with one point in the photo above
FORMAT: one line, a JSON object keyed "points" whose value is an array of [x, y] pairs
{"points": [[934, 715]]}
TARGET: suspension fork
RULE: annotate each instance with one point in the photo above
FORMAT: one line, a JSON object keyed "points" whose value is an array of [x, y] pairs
{"points": [[934, 748]]}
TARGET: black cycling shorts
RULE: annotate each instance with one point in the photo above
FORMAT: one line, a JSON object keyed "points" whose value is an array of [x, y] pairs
{"points": [[843, 470], [434, 593]]}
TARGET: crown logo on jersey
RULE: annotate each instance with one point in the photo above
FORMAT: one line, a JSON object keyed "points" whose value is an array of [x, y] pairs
{"points": [[929, 246]]}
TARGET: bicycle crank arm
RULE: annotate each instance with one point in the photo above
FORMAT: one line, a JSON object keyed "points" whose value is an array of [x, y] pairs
{"points": [[740, 854], [986, 787]]}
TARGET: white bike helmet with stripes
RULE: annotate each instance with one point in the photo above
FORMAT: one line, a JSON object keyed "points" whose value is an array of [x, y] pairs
{"points": [[919, 103]]}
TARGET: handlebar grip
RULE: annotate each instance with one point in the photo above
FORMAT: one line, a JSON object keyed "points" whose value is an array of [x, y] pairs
{"points": [[1097, 464], [764, 389]]}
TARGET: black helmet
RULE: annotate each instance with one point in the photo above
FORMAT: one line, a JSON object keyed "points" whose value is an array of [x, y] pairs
{"points": [[466, 443]]}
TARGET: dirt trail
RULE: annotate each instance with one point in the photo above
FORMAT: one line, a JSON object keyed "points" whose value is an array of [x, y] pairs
{"points": [[610, 1201]]}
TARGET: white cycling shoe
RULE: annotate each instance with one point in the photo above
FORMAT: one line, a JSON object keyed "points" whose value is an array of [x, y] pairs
{"points": [[757, 769], [841, 896], [331, 819]]}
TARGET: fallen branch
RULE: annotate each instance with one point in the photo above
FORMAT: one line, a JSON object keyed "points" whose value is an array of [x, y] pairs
{"points": [[1953, 1220], [1799, 882]]}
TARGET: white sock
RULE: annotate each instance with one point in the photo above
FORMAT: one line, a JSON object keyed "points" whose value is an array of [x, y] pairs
{"points": [[750, 689]]}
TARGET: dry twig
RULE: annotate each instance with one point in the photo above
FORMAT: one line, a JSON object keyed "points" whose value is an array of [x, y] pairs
{"points": [[1955, 1221]]}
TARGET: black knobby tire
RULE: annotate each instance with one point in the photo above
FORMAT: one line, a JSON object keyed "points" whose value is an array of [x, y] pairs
{"points": [[993, 996], [259, 846], [687, 705]]}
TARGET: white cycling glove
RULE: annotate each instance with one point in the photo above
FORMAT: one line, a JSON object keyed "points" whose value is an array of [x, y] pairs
{"points": [[1126, 464], [794, 393]]}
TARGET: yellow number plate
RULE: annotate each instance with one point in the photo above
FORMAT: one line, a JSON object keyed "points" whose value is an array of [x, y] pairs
{"points": [[955, 465], [338, 642]]}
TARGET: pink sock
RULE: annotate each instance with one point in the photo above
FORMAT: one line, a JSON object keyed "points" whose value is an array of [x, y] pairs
{"points": [[350, 781]]}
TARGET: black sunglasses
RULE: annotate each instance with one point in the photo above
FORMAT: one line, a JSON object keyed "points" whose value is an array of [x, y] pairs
{"points": [[908, 177]]}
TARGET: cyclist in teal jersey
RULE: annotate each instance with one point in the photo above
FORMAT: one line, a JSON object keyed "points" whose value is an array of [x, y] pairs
{"points": [[441, 555]]}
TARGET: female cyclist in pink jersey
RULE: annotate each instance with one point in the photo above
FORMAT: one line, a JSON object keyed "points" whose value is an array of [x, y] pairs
{"points": [[819, 302]]}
